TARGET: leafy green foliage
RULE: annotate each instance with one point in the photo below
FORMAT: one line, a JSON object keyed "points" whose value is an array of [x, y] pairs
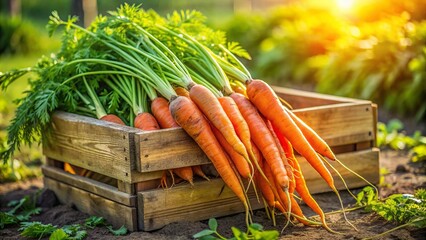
{"points": [[21, 210], [118, 232], [36, 229], [94, 221], [391, 135], [255, 231], [406, 209]]}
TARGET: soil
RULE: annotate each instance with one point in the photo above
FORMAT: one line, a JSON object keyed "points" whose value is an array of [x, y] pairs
{"points": [[402, 177]]}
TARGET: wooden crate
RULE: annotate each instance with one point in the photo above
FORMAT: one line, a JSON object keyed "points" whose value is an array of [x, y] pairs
{"points": [[130, 156]]}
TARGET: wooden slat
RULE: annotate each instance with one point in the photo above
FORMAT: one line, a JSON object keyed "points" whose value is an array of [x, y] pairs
{"points": [[304, 99], [168, 149], [340, 124], [375, 118], [115, 213], [365, 163], [125, 187], [204, 200], [92, 144], [89, 185]]}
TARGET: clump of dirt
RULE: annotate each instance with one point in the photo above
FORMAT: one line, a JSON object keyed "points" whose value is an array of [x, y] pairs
{"points": [[402, 177]]}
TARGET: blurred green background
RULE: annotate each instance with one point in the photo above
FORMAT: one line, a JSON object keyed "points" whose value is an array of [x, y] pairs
{"points": [[368, 49]]}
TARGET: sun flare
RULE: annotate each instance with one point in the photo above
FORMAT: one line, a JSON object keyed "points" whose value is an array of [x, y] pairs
{"points": [[344, 4]]}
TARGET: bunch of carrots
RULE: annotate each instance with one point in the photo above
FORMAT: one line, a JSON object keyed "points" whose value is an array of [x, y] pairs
{"points": [[134, 67]]}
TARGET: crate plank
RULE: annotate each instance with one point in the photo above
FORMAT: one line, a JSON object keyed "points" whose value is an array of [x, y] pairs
{"points": [[115, 213], [168, 149], [304, 99], [205, 200], [365, 163], [90, 185], [340, 124], [92, 144]]}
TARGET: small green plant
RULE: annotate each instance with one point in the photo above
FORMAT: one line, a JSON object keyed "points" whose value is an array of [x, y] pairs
{"points": [[255, 231], [404, 209], [21, 210], [36, 229], [390, 135]]}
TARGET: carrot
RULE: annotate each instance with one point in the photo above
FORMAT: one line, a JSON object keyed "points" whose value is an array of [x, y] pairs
{"points": [[265, 189], [180, 91], [304, 193], [313, 138], [240, 163], [145, 121], [240, 125], [266, 101], [199, 172], [112, 118], [190, 118], [211, 108], [287, 166], [160, 110], [262, 138]]}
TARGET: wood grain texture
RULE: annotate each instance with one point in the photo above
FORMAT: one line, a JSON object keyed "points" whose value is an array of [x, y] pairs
{"points": [[365, 163], [96, 145], [205, 200], [304, 99], [89, 185], [168, 149], [115, 213], [340, 124]]}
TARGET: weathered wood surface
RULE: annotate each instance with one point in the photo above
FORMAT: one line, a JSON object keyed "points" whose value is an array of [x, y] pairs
{"points": [[206, 199], [365, 163], [303, 99], [92, 144], [115, 213], [340, 124], [89, 185], [168, 149]]}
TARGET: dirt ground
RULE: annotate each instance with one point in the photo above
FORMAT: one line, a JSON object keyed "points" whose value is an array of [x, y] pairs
{"points": [[403, 177]]}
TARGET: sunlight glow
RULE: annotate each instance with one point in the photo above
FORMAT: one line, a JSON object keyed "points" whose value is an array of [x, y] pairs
{"points": [[345, 4]]}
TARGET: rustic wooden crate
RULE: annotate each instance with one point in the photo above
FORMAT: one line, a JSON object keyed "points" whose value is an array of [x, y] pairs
{"points": [[130, 156]]}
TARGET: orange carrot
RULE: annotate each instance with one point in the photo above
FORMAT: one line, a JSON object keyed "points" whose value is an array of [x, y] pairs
{"points": [[313, 138], [265, 189], [161, 112], [180, 91], [112, 118], [240, 125], [145, 121], [211, 108], [190, 118], [160, 109], [199, 172], [266, 101], [240, 163], [262, 137], [287, 166]]}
